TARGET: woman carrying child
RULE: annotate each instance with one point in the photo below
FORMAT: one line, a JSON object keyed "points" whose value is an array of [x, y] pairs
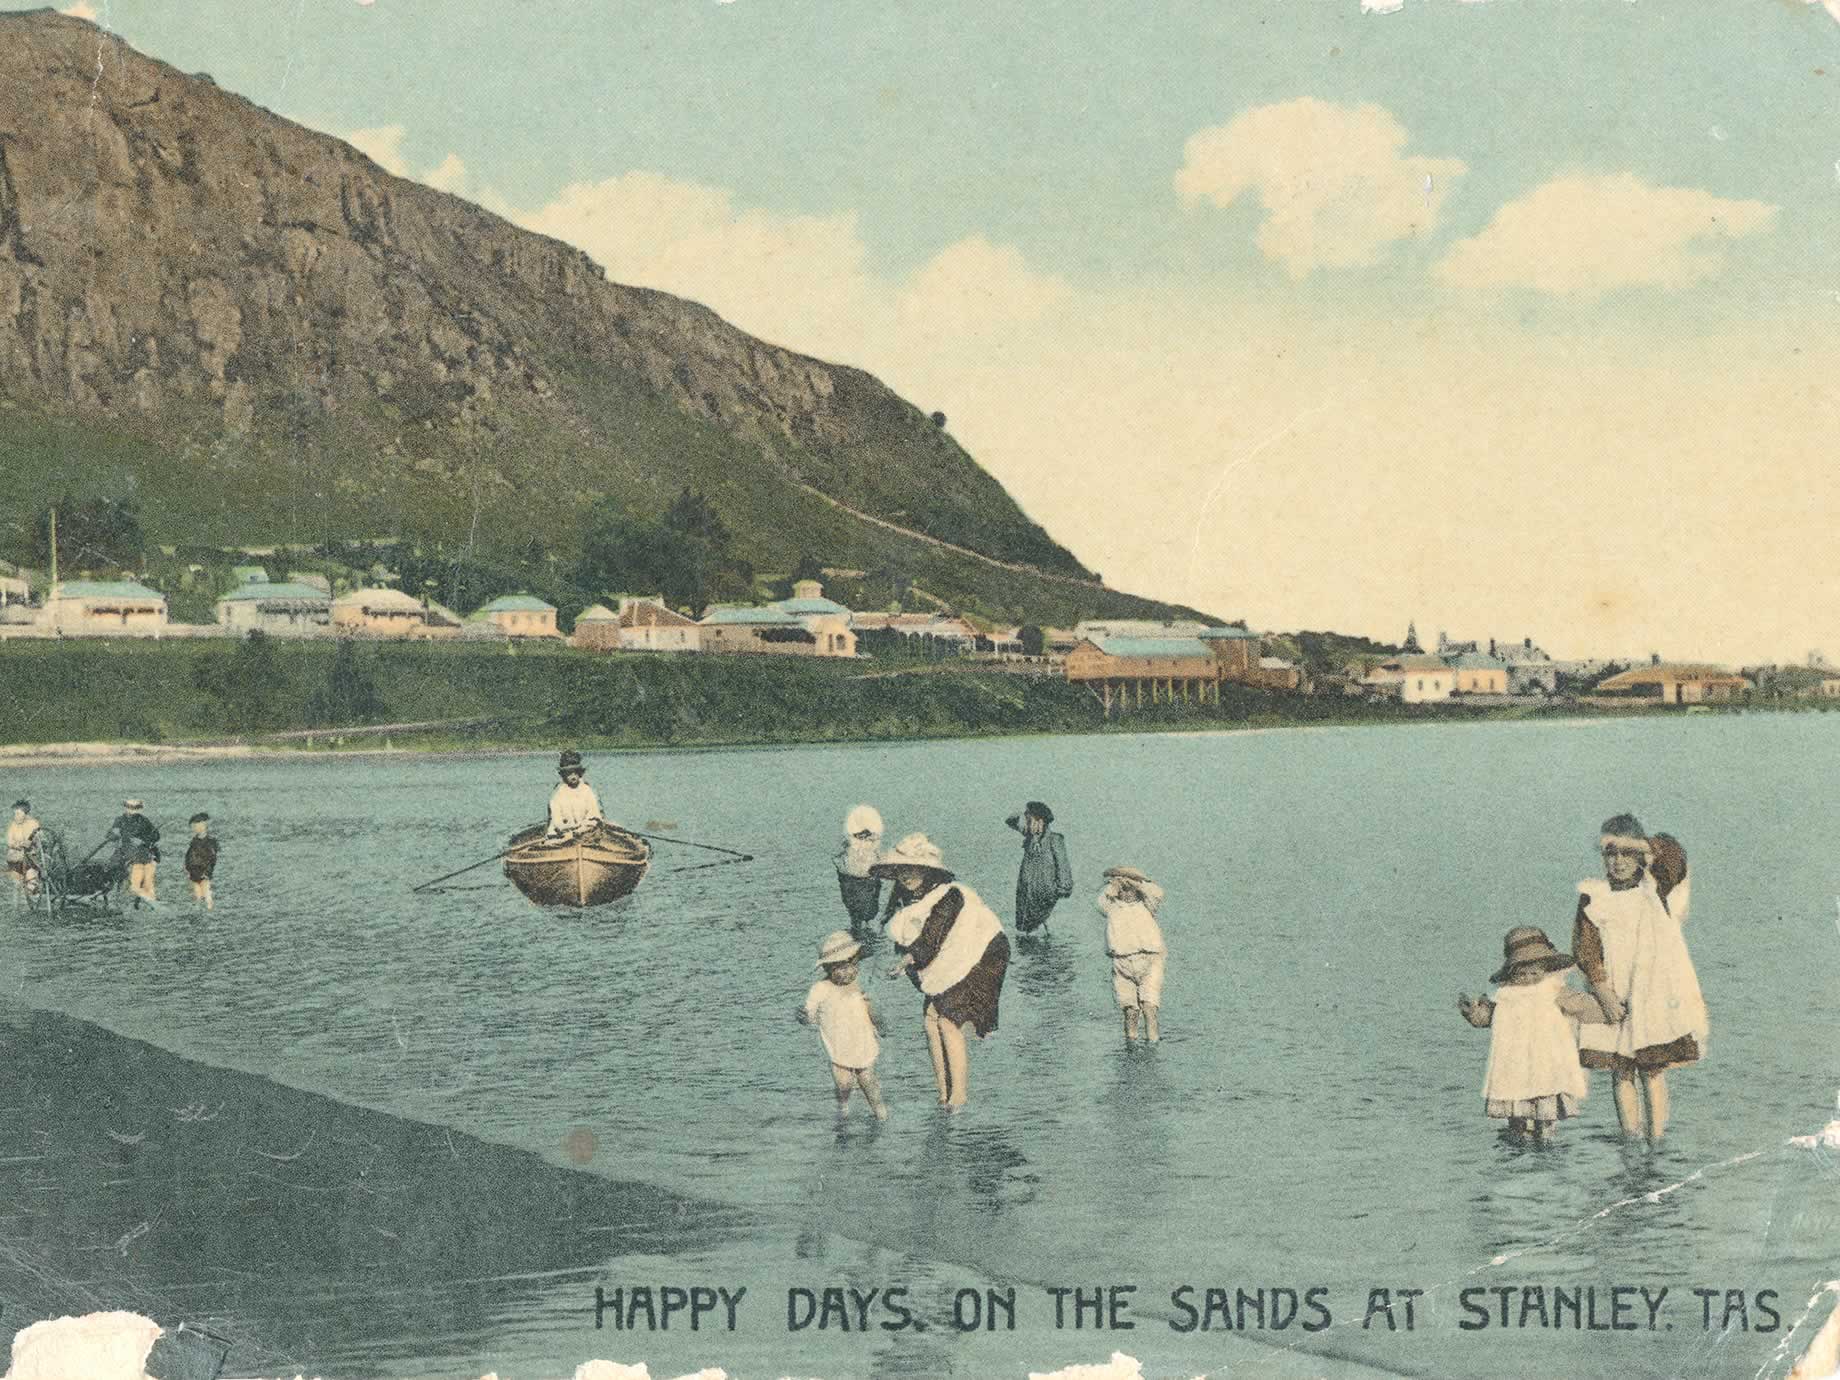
{"points": [[1627, 935], [1534, 1079], [955, 952]]}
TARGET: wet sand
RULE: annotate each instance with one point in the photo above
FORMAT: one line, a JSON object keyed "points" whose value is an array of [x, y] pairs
{"points": [[314, 1235]]}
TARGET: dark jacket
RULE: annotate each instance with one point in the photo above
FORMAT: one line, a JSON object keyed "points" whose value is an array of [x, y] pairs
{"points": [[137, 839], [201, 857]]}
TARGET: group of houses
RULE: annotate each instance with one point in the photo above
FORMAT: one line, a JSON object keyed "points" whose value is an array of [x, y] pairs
{"points": [[303, 605], [1124, 663]]}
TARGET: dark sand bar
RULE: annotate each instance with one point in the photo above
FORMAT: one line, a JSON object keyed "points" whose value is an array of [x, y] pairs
{"points": [[317, 1237]]}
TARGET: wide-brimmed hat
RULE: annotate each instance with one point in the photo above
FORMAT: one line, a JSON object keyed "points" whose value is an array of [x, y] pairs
{"points": [[838, 947], [570, 761], [1040, 811], [130, 804], [916, 850], [1129, 874], [863, 819], [1527, 946]]}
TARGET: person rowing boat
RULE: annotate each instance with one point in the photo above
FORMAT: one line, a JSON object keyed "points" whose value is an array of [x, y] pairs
{"points": [[573, 806]]}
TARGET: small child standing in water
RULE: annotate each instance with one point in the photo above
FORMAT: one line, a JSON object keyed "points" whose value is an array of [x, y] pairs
{"points": [[201, 860], [1134, 941], [846, 1023], [1534, 1079]]}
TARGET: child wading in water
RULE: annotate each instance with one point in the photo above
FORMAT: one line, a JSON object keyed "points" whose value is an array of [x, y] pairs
{"points": [[201, 860], [1630, 946], [1134, 941], [1534, 1078], [845, 1022], [1045, 878], [862, 847]]}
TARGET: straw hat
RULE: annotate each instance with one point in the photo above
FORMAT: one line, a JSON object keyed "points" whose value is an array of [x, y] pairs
{"points": [[1130, 874], [917, 851], [863, 819], [571, 761], [1526, 945], [130, 804], [838, 947]]}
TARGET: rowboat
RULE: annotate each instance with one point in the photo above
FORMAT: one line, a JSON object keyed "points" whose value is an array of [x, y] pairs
{"points": [[587, 868]]}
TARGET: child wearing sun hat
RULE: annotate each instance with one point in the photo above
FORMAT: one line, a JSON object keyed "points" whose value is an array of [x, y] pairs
{"points": [[840, 1009], [1534, 1079]]}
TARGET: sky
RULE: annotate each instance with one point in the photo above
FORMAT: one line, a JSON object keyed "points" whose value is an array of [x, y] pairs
{"points": [[1509, 318]]}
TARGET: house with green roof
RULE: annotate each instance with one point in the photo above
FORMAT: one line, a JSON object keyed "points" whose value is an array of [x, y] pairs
{"points": [[278, 607], [520, 615], [105, 608], [1122, 672]]}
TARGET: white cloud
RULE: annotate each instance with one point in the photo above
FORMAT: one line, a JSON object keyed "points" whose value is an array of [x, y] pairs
{"points": [[447, 176], [1587, 234], [383, 146], [975, 286], [1334, 184], [1382, 6], [81, 10], [1831, 6]]}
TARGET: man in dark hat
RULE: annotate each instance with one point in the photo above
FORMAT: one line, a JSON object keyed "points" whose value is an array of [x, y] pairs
{"points": [[573, 806], [1046, 877]]}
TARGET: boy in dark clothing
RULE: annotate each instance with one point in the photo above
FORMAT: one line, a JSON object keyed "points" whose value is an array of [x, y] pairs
{"points": [[201, 860]]}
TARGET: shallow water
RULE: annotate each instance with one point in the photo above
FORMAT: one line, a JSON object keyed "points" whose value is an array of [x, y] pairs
{"points": [[1311, 1118]]}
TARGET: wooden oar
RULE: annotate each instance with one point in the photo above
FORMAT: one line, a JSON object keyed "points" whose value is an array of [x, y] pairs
{"points": [[734, 853], [470, 867]]}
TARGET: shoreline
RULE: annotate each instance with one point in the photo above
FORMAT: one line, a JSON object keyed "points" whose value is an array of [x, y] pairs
{"points": [[420, 745]]}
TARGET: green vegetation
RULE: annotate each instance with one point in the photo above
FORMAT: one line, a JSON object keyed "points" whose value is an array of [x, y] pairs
{"points": [[208, 690]]}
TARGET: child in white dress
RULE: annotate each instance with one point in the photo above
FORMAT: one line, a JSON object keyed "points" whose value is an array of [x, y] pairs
{"points": [[846, 1023], [1534, 1079], [1134, 942]]}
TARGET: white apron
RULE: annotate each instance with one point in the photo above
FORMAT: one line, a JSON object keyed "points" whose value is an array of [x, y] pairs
{"points": [[964, 944], [1647, 965], [1533, 1051]]}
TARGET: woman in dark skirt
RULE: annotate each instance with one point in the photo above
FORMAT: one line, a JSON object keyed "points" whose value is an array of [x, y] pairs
{"points": [[955, 952]]}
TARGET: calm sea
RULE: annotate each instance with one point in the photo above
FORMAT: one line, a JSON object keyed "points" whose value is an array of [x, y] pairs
{"points": [[1312, 1118]]}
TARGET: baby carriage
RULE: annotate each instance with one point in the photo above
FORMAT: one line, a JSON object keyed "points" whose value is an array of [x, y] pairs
{"points": [[85, 887]]}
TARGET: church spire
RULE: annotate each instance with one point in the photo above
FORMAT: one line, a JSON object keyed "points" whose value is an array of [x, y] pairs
{"points": [[1412, 646]]}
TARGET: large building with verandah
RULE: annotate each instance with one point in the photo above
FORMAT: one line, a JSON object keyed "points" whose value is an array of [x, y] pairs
{"points": [[379, 613], [1127, 672], [105, 608], [278, 607]]}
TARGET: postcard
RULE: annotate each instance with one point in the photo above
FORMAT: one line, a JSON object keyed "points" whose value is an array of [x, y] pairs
{"points": [[757, 688]]}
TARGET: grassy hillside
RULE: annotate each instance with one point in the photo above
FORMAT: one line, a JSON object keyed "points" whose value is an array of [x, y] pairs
{"points": [[178, 690]]}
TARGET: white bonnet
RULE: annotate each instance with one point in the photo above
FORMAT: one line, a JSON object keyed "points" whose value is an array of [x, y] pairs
{"points": [[863, 818]]}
